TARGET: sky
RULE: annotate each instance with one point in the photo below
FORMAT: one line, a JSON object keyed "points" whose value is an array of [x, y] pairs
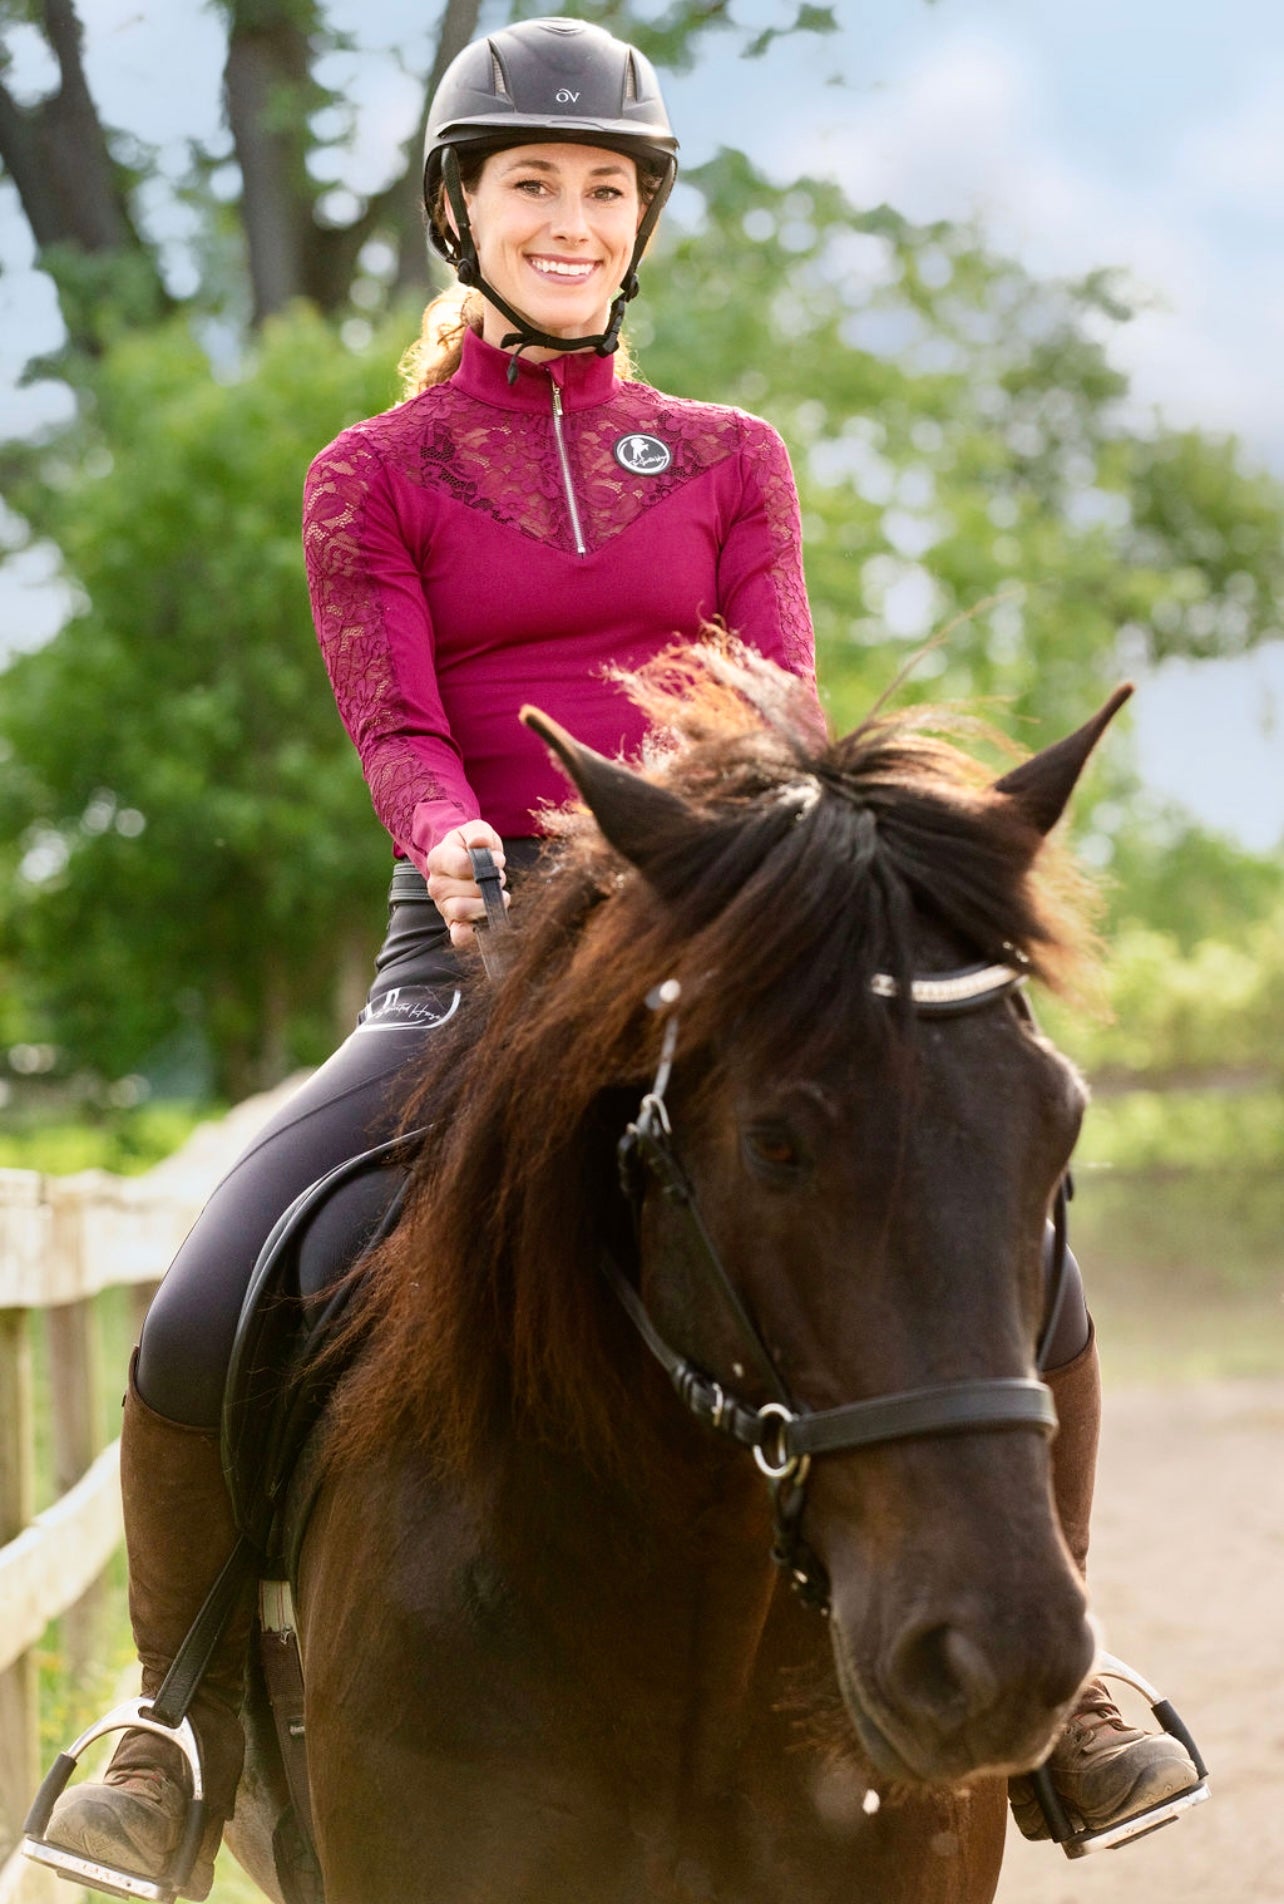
{"points": [[1146, 134]]}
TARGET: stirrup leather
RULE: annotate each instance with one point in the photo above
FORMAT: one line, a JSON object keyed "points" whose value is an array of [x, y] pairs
{"points": [[135, 1715], [1077, 1843]]}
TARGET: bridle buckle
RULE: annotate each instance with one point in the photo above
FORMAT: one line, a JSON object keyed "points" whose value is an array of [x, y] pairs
{"points": [[784, 1466]]}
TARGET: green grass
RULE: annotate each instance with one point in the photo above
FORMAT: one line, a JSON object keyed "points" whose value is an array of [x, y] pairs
{"points": [[231, 1886]]}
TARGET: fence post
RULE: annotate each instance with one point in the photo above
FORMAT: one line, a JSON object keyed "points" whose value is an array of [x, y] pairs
{"points": [[19, 1739], [73, 1388], [72, 1370]]}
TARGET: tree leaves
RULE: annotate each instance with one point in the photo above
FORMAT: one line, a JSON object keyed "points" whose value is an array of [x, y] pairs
{"points": [[808, 19]]}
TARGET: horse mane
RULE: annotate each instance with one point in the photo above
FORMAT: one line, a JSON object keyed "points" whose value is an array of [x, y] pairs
{"points": [[485, 1311]]}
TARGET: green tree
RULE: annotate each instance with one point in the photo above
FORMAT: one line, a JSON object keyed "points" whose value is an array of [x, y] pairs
{"points": [[196, 842]]}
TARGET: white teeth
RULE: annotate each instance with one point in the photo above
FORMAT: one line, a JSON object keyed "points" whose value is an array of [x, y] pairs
{"points": [[553, 268]]}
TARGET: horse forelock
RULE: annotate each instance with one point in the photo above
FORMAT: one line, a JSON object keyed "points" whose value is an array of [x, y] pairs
{"points": [[813, 864]]}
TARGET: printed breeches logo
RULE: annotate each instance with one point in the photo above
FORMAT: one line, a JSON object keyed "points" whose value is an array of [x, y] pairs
{"points": [[643, 455]]}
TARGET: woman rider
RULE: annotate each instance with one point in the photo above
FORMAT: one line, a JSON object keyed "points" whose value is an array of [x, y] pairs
{"points": [[528, 519]]}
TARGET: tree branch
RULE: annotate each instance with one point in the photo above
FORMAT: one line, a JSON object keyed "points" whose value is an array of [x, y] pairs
{"points": [[268, 61], [73, 194], [22, 153], [458, 27], [331, 254]]}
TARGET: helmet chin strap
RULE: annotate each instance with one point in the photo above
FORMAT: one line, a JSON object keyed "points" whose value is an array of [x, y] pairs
{"points": [[525, 334]]}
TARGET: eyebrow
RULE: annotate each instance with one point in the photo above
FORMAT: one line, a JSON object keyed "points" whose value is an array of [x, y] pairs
{"points": [[549, 165]]}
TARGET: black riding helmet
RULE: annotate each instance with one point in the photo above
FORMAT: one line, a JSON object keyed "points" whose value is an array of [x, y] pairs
{"points": [[560, 81]]}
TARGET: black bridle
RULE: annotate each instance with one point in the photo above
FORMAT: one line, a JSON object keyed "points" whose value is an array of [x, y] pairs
{"points": [[783, 1437]]}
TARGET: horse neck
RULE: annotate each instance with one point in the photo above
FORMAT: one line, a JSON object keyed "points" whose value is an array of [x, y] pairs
{"points": [[672, 1568]]}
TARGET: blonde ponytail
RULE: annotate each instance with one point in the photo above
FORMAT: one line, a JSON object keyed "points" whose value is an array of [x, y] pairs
{"points": [[434, 356]]}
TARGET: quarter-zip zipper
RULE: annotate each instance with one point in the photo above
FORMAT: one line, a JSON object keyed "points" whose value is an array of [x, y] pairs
{"points": [[564, 460]]}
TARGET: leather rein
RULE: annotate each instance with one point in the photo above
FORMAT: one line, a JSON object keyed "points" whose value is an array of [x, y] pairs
{"points": [[782, 1436]]}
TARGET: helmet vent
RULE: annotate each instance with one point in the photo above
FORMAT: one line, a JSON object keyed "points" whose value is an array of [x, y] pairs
{"points": [[497, 78], [630, 81]]}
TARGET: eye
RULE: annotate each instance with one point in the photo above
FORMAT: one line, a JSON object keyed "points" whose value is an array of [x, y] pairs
{"points": [[773, 1151]]}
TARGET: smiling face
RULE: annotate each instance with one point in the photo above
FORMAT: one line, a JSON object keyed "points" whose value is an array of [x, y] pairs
{"points": [[554, 227]]}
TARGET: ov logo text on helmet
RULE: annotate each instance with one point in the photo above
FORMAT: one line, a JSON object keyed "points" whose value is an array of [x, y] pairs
{"points": [[567, 98]]}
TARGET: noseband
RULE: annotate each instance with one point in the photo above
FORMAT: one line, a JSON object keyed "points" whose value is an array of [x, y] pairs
{"points": [[782, 1436]]}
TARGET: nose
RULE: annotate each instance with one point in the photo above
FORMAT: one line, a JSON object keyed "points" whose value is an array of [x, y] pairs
{"points": [[942, 1671], [569, 219], [988, 1687]]}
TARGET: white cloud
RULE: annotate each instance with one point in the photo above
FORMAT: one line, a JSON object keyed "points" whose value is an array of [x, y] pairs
{"points": [[1235, 161], [970, 130]]}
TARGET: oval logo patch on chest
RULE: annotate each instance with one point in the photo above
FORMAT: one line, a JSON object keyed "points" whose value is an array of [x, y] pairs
{"points": [[643, 455]]}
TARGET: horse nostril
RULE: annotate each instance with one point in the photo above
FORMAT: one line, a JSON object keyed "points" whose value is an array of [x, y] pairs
{"points": [[941, 1669]]}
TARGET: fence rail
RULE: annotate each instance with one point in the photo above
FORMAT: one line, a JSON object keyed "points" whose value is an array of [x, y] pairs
{"points": [[62, 1241]]}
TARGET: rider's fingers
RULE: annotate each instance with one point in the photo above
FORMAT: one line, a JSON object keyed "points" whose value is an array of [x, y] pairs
{"points": [[451, 860]]}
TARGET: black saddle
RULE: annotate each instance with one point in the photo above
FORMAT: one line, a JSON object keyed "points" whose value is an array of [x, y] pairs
{"points": [[284, 1365]]}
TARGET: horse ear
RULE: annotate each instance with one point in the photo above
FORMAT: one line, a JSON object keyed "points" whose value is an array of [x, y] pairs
{"points": [[647, 824], [1041, 786]]}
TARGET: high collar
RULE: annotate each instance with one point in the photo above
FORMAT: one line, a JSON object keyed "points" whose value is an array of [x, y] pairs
{"points": [[584, 378]]}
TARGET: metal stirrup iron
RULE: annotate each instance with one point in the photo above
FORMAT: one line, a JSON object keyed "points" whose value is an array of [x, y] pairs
{"points": [[1078, 1841], [166, 1716]]}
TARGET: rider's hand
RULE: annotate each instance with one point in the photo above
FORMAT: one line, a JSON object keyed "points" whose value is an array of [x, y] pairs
{"points": [[451, 885]]}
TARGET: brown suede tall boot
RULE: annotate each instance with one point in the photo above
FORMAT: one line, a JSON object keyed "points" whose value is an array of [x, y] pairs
{"points": [[179, 1531], [1104, 1770], [1076, 1389]]}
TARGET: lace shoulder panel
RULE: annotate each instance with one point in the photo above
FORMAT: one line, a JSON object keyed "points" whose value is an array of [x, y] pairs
{"points": [[695, 436], [507, 464]]}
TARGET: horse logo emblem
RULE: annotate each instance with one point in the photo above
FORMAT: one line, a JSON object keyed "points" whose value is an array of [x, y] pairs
{"points": [[643, 455]]}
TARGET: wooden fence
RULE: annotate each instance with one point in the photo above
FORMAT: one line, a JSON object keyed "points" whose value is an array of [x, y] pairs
{"points": [[62, 1241]]}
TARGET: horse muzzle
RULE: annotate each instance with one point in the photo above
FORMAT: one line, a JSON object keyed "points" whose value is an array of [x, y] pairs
{"points": [[953, 1692]]}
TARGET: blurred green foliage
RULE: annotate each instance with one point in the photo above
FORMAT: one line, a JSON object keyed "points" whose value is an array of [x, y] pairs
{"points": [[1214, 1009], [963, 449], [1201, 1131], [195, 844], [124, 1142]]}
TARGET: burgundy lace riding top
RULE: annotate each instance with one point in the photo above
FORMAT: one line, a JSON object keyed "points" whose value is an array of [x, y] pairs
{"points": [[487, 544]]}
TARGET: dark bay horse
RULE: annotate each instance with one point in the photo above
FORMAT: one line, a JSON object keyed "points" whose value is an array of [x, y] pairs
{"points": [[549, 1659]]}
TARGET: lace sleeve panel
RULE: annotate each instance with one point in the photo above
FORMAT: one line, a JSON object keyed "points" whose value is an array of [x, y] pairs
{"points": [[377, 640], [762, 596]]}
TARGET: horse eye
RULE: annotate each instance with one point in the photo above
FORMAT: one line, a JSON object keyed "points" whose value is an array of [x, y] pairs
{"points": [[772, 1148]]}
